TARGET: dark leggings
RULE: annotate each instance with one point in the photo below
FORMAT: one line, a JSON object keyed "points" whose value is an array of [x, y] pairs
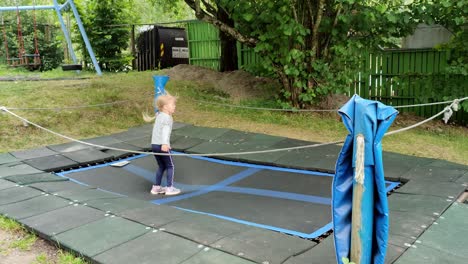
{"points": [[165, 163]]}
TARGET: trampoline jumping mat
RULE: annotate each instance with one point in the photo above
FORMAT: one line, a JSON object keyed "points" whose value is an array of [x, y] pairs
{"points": [[290, 201]]}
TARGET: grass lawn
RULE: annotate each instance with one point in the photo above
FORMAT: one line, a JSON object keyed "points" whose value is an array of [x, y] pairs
{"points": [[433, 140]]}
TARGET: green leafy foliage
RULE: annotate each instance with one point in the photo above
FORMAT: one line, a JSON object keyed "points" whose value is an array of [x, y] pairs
{"points": [[101, 19], [346, 261], [313, 47], [313, 50]]}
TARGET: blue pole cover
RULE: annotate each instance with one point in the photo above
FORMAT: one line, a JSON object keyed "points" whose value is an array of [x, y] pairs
{"points": [[159, 87], [370, 119]]}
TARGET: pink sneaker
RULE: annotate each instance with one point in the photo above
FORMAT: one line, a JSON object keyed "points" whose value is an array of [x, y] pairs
{"points": [[157, 189], [172, 191]]}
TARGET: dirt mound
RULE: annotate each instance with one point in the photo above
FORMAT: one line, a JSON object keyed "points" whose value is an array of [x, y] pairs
{"points": [[238, 84]]}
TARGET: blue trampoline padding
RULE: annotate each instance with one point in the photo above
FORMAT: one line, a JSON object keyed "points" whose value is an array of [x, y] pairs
{"points": [[371, 119]]}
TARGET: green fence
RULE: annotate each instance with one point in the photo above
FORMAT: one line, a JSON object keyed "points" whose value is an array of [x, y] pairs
{"points": [[204, 45], [406, 77], [205, 49], [394, 77]]}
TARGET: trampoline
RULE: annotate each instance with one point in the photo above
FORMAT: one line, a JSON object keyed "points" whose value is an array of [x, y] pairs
{"points": [[290, 201]]}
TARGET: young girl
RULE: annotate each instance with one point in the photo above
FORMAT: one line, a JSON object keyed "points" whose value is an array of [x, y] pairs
{"points": [[160, 143]]}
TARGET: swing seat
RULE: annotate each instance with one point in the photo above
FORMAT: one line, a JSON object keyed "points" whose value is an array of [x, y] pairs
{"points": [[72, 67], [32, 59]]}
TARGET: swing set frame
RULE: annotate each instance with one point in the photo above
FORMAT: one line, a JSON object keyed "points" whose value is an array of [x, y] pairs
{"points": [[69, 4]]}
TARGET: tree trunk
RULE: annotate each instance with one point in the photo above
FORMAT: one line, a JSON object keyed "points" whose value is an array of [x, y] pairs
{"points": [[228, 60]]}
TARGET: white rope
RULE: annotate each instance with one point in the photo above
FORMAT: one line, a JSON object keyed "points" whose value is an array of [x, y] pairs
{"points": [[2, 108], [69, 107], [426, 104], [213, 103], [311, 110], [448, 108], [165, 154], [268, 109]]}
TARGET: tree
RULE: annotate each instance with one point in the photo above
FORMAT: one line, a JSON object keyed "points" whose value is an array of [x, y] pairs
{"points": [[313, 45], [108, 41], [453, 16]]}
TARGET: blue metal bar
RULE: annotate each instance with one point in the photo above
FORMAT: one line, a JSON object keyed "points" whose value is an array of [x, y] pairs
{"points": [[65, 5], [39, 7], [85, 37], [65, 31]]}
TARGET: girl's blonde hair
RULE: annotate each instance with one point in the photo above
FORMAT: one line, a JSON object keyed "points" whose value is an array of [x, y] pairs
{"points": [[160, 102]]}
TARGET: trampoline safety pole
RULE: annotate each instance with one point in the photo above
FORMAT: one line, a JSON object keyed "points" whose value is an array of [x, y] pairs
{"points": [[159, 87], [362, 208]]}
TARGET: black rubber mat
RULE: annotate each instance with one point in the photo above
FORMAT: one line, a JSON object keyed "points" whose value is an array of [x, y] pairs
{"points": [[52, 163], [17, 194], [295, 215], [200, 132], [285, 143], [103, 141], [54, 187], [324, 252], [155, 216], [33, 153], [117, 154], [143, 143], [204, 229], [175, 126], [183, 143], [111, 231], [26, 179], [263, 246], [321, 158], [130, 134], [213, 256], [6, 184], [427, 205], [88, 156], [69, 147], [427, 254], [434, 174], [442, 243], [410, 224], [234, 137], [441, 189], [17, 169], [34, 206], [57, 221], [117, 205], [399, 240], [153, 247], [447, 165], [86, 195], [259, 142], [396, 165], [393, 253], [7, 158], [463, 179]]}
